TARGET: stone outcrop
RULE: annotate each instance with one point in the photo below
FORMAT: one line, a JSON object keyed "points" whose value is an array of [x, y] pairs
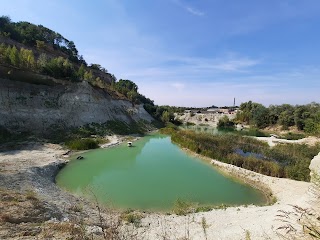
{"points": [[39, 108], [315, 179]]}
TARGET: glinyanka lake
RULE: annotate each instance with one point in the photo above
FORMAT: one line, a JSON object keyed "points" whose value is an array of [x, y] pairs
{"points": [[152, 175]]}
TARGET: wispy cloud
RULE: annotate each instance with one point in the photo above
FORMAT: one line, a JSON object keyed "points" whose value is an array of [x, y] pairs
{"points": [[194, 11], [188, 8]]}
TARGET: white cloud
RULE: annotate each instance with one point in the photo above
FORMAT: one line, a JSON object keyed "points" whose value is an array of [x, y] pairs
{"points": [[194, 11]]}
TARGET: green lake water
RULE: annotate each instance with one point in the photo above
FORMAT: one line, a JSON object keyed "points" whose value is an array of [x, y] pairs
{"points": [[152, 175]]}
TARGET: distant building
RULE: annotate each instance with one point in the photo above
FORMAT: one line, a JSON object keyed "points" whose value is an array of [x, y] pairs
{"points": [[215, 109]]}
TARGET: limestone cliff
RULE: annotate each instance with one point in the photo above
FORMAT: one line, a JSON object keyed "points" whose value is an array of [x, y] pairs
{"points": [[39, 108]]}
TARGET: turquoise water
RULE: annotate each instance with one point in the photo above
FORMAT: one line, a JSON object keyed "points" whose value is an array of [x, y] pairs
{"points": [[152, 175]]}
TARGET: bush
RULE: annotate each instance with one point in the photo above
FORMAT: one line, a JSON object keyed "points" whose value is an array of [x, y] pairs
{"points": [[224, 122], [293, 136], [82, 144]]}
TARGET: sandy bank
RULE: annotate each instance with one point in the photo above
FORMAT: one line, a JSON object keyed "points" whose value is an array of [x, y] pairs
{"points": [[272, 141]]}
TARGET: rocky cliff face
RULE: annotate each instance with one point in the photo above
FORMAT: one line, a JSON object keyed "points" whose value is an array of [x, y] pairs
{"points": [[41, 108]]}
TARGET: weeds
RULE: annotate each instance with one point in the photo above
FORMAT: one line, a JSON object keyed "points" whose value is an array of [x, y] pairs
{"points": [[203, 209], [204, 226], [300, 223], [248, 235], [134, 218], [182, 207]]}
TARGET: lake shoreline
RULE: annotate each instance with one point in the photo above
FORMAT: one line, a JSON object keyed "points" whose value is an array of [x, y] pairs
{"points": [[34, 167]]}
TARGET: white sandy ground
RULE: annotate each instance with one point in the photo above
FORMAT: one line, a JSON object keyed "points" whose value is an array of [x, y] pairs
{"points": [[232, 223], [272, 141]]}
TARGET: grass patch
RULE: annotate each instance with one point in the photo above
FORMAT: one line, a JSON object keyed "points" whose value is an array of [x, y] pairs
{"points": [[131, 217], [293, 136], [203, 209]]}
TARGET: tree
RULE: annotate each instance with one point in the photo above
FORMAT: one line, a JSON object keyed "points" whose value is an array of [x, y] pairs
{"points": [[42, 61], [133, 96], [125, 86], [301, 113], [165, 117], [27, 58], [95, 66], [286, 119], [81, 72], [260, 115], [6, 27], [40, 44], [14, 57]]}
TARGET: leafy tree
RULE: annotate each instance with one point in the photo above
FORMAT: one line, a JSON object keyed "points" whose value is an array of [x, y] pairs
{"points": [[166, 117], [42, 61], [125, 86], [27, 58], [40, 44], [260, 116], [95, 66], [14, 56], [81, 72]]}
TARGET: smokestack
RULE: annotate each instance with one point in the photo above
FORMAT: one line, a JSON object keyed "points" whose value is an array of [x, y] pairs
{"points": [[234, 102]]}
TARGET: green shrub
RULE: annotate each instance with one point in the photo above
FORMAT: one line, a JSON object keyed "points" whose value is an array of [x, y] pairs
{"points": [[293, 136], [82, 144], [132, 217]]}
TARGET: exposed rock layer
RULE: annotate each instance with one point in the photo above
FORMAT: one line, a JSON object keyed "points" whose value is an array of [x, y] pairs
{"points": [[37, 108]]}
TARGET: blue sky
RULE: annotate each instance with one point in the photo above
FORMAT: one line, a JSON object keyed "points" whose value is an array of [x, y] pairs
{"points": [[194, 52]]}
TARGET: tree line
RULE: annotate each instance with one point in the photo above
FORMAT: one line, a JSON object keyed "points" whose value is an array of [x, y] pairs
{"points": [[304, 117], [57, 67]]}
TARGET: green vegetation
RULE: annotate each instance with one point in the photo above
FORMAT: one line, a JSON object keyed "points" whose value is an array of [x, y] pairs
{"points": [[252, 131], [225, 122], [182, 207], [131, 217], [284, 160], [304, 117], [82, 144]]}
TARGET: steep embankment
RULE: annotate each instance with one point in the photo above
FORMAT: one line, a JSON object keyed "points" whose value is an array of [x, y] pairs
{"points": [[40, 108]]}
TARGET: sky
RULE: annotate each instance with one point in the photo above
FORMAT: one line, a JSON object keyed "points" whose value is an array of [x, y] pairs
{"points": [[194, 53]]}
